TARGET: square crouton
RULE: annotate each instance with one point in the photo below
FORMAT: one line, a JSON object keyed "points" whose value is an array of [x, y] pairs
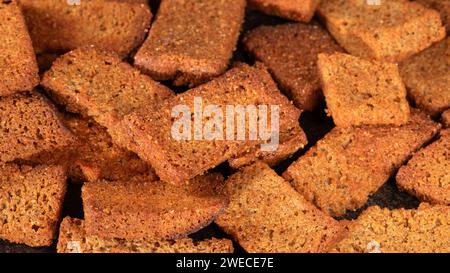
{"points": [[390, 31], [361, 92], [377, 230], [31, 200], [427, 174], [427, 78], [442, 6], [290, 53], [267, 215], [349, 164]]}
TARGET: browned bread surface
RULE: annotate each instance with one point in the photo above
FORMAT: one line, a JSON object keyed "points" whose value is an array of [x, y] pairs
{"points": [[391, 31], [30, 124], [349, 164], [362, 92], [149, 132], [57, 27], [442, 6], [290, 142], [425, 230], [191, 41], [446, 118], [427, 174], [144, 208], [18, 67], [267, 215], [31, 200], [290, 53], [427, 77], [297, 10], [100, 85], [73, 239], [94, 156]]}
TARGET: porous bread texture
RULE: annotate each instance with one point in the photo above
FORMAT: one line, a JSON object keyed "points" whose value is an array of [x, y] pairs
{"points": [[93, 156], [427, 174], [57, 27], [290, 142], [148, 132], [362, 92], [30, 124], [344, 168], [191, 41], [31, 200], [427, 78], [143, 208], [73, 239], [100, 85], [290, 53], [18, 66], [297, 10], [391, 31], [446, 118], [378, 230], [442, 6], [267, 215]]}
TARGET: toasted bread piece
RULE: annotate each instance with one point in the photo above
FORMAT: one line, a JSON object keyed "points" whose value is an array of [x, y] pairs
{"points": [[30, 124], [94, 156], [57, 27], [148, 132], [349, 164], [362, 92], [191, 41], [377, 230], [31, 200], [427, 77], [73, 239], [427, 174], [442, 6], [391, 31], [297, 10], [18, 66], [290, 142], [143, 208], [267, 215], [290, 53], [98, 84], [446, 118]]}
